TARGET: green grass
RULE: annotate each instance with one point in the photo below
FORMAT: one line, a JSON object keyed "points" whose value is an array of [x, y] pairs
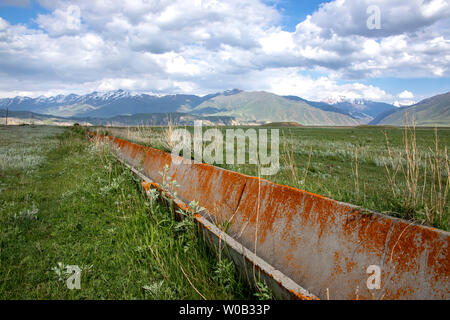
{"points": [[324, 161], [65, 201]]}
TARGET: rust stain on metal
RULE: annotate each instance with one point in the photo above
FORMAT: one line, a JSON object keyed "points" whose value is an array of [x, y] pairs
{"points": [[318, 242], [301, 296]]}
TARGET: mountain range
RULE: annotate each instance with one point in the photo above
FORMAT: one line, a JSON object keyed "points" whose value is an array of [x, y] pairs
{"points": [[434, 111], [224, 108], [268, 107], [154, 119]]}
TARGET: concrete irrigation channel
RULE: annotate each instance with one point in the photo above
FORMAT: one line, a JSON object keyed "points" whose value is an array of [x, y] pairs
{"points": [[303, 245]]}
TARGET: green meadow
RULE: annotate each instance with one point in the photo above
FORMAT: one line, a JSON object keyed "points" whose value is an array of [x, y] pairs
{"points": [[65, 202], [401, 172]]}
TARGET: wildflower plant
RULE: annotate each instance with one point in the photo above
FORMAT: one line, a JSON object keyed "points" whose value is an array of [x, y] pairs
{"points": [[27, 214], [169, 186], [152, 195]]}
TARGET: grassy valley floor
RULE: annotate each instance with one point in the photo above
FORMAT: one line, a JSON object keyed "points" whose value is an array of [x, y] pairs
{"points": [[64, 202], [387, 169]]}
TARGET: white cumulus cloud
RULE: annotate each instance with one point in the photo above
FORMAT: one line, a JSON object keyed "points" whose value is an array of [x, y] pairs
{"points": [[61, 22], [406, 95], [202, 46]]}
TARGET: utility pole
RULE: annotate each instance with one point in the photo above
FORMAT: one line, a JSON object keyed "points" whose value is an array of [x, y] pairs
{"points": [[6, 122]]}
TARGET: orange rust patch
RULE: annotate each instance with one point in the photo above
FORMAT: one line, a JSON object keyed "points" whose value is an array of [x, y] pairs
{"points": [[146, 185], [403, 251], [397, 294], [301, 296], [182, 205], [349, 264], [325, 214], [337, 269]]}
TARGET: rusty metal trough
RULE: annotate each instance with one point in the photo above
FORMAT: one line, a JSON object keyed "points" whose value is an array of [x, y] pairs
{"points": [[304, 245]]}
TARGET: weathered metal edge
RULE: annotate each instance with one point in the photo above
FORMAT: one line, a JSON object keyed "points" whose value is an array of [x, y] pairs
{"points": [[282, 286]]}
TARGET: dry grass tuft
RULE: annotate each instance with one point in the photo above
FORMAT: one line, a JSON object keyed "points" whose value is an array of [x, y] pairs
{"points": [[425, 175]]}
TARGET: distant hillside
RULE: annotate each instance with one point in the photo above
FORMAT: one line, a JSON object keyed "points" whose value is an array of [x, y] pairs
{"points": [[382, 116], [364, 110], [145, 104], [152, 119], [321, 105], [28, 117], [282, 124], [268, 107], [160, 119], [429, 112]]}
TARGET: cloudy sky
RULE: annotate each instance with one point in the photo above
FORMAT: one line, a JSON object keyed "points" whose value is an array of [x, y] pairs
{"points": [[313, 49]]}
